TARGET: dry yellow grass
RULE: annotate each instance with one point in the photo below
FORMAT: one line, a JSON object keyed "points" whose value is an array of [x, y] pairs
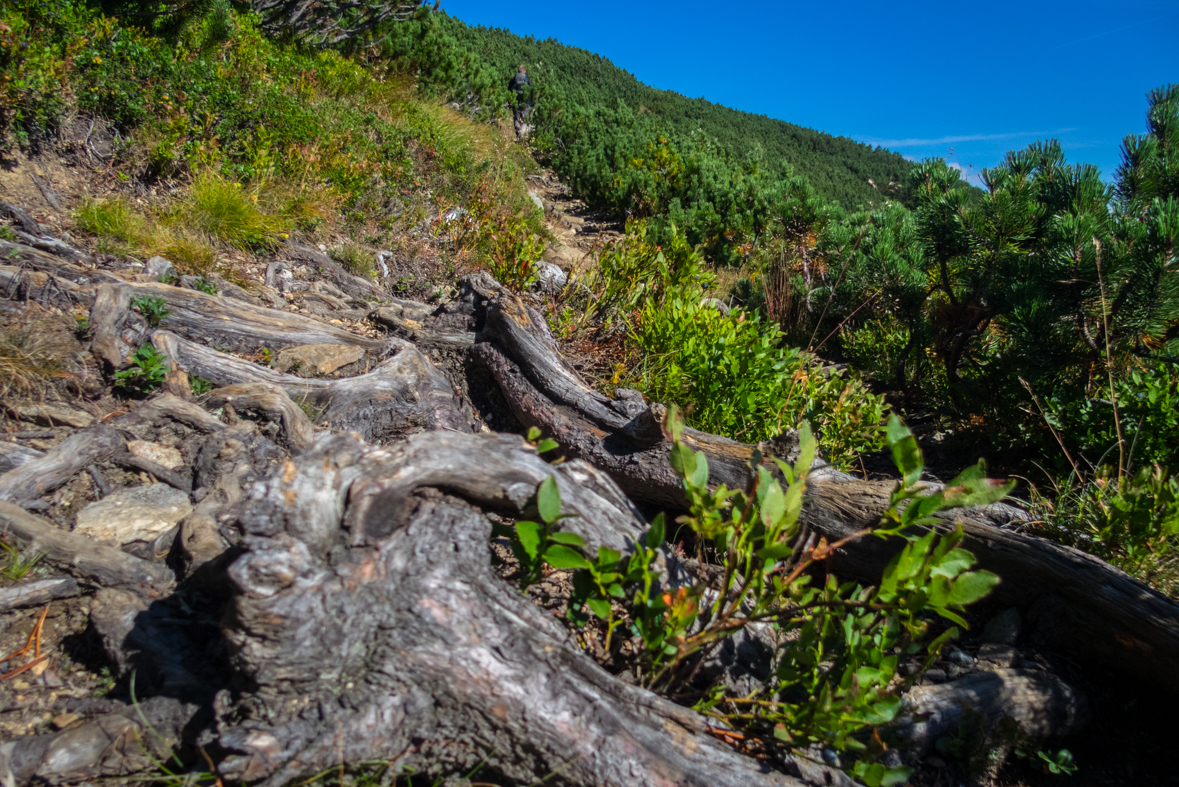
{"points": [[29, 359]]}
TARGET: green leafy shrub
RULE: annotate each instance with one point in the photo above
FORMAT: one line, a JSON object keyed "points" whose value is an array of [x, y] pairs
{"points": [[199, 385], [735, 378], [1148, 410], [153, 308], [837, 672], [1132, 521], [635, 271], [146, 373], [205, 284]]}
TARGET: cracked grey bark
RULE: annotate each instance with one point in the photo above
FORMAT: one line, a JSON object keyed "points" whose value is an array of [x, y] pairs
{"points": [[226, 322], [402, 394], [369, 624]]}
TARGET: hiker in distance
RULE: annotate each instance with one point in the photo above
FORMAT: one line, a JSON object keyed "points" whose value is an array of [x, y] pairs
{"points": [[519, 83]]}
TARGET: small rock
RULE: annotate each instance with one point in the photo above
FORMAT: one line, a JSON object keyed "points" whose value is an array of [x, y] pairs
{"points": [[317, 360], [536, 198], [996, 655], [935, 675], [65, 720], [1003, 629], [550, 277], [38, 669], [52, 680], [716, 303], [137, 514], [959, 657], [953, 671], [51, 415], [20, 685], [162, 455], [157, 268]]}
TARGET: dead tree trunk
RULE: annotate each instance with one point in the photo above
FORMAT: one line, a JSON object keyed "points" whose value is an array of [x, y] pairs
{"points": [[368, 624]]}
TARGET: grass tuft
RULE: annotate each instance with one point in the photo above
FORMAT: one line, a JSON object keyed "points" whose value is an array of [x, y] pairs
{"points": [[120, 228], [230, 213], [14, 564], [356, 259], [28, 361], [189, 254]]}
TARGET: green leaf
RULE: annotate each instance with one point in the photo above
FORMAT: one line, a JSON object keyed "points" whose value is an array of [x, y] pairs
{"points": [[773, 506], [806, 450], [971, 586], [608, 557], [683, 460], [529, 535], [775, 552], [939, 590], [572, 539], [548, 500], [971, 487], [655, 534], [897, 775], [599, 606], [561, 556], [699, 477], [953, 563], [546, 445], [905, 451], [533, 434]]}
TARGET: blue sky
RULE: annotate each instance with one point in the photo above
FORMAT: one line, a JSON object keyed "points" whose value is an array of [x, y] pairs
{"points": [[963, 81]]}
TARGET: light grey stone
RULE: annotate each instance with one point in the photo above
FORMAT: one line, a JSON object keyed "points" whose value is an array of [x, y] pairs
{"points": [[550, 277], [140, 513], [717, 304], [317, 360], [162, 455], [158, 268], [959, 657]]}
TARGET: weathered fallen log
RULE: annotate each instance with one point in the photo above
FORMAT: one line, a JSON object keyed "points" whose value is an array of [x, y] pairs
{"points": [[38, 593], [92, 445], [42, 288], [370, 625], [95, 564], [404, 393], [1077, 603], [13, 455], [49, 472], [224, 322]]}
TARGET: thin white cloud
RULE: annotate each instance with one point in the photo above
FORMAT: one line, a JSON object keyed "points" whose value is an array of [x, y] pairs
{"points": [[949, 140]]}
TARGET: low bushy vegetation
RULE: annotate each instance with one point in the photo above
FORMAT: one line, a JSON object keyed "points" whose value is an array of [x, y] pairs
{"points": [[267, 139], [836, 674], [733, 373]]}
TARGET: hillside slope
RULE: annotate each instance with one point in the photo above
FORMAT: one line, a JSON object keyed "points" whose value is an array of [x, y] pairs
{"points": [[838, 167]]}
